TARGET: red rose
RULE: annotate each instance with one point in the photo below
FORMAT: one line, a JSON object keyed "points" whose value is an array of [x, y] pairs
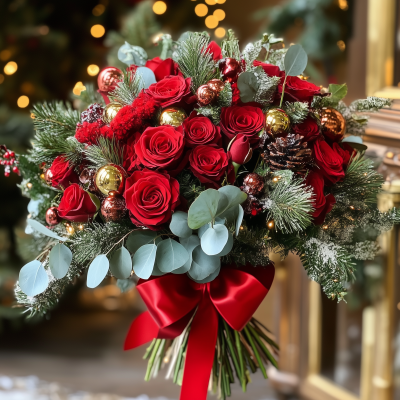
{"points": [[269, 69], [297, 89], [247, 120], [130, 156], [89, 132], [170, 90], [322, 204], [235, 95], [162, 68], [161, 147], [241, 150], [215, 50], [309, 129], [63, 174], [210, 165], [346, 152], [151, 197], [200, 130], [329, 161], [76, 205]]}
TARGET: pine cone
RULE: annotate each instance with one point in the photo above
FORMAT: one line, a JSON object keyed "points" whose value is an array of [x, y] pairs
{"points": [[288, 152]]}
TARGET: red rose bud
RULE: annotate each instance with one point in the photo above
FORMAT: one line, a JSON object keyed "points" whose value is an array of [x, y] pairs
{"points": [[63, 174], [240, 149]]}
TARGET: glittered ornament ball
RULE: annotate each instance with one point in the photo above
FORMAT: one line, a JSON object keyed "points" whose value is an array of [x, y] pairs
{"points": [[110, 111], [52, 217], [173, 116], [253, 184], [87, 177], [277, 122], [48, 176], [205, 95], [333, 124], [216, 85], [108, 78], [113, 208], [110, 177]]}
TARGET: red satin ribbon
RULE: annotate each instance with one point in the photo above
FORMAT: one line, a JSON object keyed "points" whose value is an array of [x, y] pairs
{"points": [[171, 301]]}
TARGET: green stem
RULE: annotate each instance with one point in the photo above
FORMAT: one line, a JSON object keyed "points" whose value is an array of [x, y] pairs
{"points": [[262, 345], [151, 361], [239, 349], [232, 350], [283, 91], [256, 353], [180, 357], [148, 350]]}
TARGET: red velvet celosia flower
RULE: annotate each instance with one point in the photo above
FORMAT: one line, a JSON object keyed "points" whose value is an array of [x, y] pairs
{"points": [[89, 132]]}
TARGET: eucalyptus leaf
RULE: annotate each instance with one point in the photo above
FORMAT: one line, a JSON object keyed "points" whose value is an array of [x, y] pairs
{"points": [[234, 195], [139, 238], [209, 278], [37, 226], [295, 60], [60, 259], [239, 219], [203, 265], [171, 255], [157, 272], [147, 76], [179, 224], [338, 92], [125, 285], [248, 85], [214, 239], [189, 244], [203, 209], [121, 263], [228, 247], [97, 271], [33, 278], [129, 54], [144, 260]]}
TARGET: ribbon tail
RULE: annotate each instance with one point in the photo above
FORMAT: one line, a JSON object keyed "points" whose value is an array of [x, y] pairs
{"points": [[200, 352], [142, 330]]}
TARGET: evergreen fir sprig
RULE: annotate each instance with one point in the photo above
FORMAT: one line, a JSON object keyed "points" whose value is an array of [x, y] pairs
{"points": [[267, 87], [106, 151], [53, 123], [296, 111], [290, 205], [128, 89], [276, 57], [195, 61], [230, 46], [370, 104], [189, 186], [361, 182]]}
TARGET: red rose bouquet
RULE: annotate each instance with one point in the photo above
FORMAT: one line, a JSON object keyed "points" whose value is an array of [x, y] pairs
{"points": [[182, 179]]}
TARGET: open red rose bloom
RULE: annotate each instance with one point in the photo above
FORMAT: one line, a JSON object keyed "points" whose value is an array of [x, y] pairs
{"points": [[188, 175]]}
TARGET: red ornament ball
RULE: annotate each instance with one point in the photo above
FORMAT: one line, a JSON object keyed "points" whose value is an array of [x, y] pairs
{"points": [[48, 176], [113, 208], [253, 184], [230, 69], [52, 217], [205, 95], [108, 78], [216, 85]]}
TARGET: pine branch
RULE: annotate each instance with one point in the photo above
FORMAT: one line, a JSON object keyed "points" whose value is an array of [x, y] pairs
{"points": [[290, 205], [195, 61], [267, 87], [370, 104], [297, 111], [189, 186], [128, 89], [276, 57], [230, 46], [106, 151]]}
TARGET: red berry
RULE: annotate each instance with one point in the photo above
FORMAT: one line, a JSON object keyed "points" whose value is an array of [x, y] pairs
{"points": [[6, 174], [6, 155], [11, 153], [16, 170]]}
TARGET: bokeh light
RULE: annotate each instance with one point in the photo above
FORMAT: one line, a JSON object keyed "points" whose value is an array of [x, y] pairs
{"points": [[201, 10], [78, 88], [211, 22], [343, 5], [159, 7], [1, 78], [5, 55], [220, 32], [23, 101], [220, 1], [219, 14], [97, 31], [98, 10], [93, 69], [10, 68], [341, 45], [211, 2], [44, 30]]}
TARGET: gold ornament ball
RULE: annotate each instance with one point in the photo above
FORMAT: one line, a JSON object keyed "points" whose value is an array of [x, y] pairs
{"points": [[110, 177], [110, 111], [277, 122], [173, 116], [333, 124]]}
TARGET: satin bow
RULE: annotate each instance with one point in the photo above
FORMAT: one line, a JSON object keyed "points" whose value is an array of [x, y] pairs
{"points": [[171, 301]]}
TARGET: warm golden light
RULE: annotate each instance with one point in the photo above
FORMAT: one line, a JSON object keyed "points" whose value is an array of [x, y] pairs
{"points": [[211, 22], [32, 115], [220, 1], [201, 10], [98, 10], [219, 14], [97, 31], [159, 7], [78, 88], [93, 69], [10, 68], [1, 78], [29, 185], [343, 4], [220, 32], [44, 30], [23, 101], [211, 2], [341, 45], [271, 224], [5, 55], [389, 154]]}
